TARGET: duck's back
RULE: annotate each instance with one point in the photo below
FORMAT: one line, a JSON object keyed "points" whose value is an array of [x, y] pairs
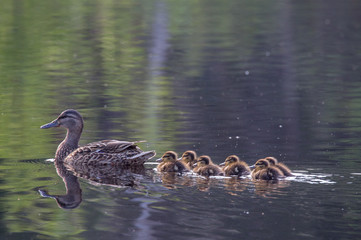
{"points": [[238, 168], [109, 152], [270, 173], [285, 170], [176, 166], [209, 170]]}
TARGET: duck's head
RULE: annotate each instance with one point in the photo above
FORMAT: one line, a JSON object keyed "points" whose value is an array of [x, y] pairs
{"points": [[189, 156], [272, 160], [203, 161], [229, 160], [169, 156], [261, 164], [69, 119]]}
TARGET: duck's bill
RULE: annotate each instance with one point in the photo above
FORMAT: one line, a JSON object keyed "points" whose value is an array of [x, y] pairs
{"points": [[158, 160], [252, 166], [54, 123], [222, 164], [195, 164], [45, 194]]}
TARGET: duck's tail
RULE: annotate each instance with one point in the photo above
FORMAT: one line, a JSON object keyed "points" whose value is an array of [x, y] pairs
{"points": [[144, 155]]}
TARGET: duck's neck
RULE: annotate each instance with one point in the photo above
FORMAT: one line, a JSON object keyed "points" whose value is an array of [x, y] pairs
{"points": [[72, 137], [69, 144]]}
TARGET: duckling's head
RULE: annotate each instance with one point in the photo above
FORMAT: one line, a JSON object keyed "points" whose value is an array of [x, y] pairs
{"points": [[69, 119], [261, 164], [189, 156], [272, 160], [169, 156], [229, 160], [203, 161]]}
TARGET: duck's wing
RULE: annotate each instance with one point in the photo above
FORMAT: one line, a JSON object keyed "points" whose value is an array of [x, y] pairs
{"points": [[107, 146]]}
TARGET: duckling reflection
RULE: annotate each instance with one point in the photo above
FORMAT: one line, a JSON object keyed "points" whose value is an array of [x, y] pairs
{"points": [[189, 158], [234, 185], [73, 196], [206, 167], [264, 171], [233, 166], [169, 163], [274, 162], [268, 189], [173, 180]]}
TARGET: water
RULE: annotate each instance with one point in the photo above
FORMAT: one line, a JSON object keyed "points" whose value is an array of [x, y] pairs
{"points": [[252, 78]]}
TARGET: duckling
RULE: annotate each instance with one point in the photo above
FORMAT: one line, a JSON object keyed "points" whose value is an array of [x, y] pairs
{"points": [[112, 152], [264, 171], [233, 166], [189, 158], [206, 167], [274, 162], [169, 163]]}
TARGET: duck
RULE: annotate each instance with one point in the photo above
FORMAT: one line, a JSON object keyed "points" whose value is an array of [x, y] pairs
{"points": [[113, 152], [285, 170], [264, 171], [206, 167], [233, 166], [169, 163], [189, 158]]}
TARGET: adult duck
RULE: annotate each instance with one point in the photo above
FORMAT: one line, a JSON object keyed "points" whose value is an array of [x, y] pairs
{"points": [[120, 153], [233, 166], [264, 171]]}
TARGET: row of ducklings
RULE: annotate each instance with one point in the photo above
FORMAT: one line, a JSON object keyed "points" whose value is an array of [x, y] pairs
{"points": [[265, 169]]}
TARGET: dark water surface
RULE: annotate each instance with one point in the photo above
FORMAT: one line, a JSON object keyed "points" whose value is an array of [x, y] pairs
{"points": [[252, 78]]}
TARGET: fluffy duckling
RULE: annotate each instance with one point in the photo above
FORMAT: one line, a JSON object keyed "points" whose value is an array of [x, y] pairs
{"points": [[264, 171], [274, 162], [169, 163], [189, 158], [233, 166], [206, 167]]}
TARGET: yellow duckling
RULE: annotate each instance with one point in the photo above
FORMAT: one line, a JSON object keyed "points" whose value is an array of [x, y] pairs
{"points": [[264, 171], [189, 158], [169, 163], [206, 167], [274, 162], [233, 166]]}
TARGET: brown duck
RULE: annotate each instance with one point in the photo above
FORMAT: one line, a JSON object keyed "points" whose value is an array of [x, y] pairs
{"points": [[233, 166], [206, 167], [264, 171], [274, 162], [189, 158], [169, 163], [120, 153]]}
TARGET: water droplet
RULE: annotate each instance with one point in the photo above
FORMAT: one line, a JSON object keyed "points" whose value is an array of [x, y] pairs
{"points": [[246, 73], [229, 137], [280, 126]]}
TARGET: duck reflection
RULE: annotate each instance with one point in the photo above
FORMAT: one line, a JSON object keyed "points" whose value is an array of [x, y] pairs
{"points": [[105, 175], [73, 196]]}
